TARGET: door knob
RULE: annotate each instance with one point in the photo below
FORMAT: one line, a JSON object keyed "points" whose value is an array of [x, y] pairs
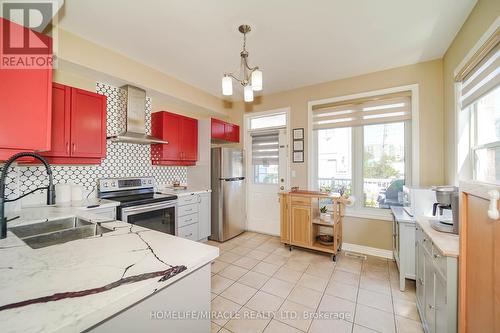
{"points": [[493, 209]]}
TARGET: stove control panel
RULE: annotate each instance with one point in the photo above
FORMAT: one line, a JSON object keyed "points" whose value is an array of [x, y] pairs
{"points": [[121, 184]]}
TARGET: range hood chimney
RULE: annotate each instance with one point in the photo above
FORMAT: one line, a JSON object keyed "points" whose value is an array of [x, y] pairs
{"points": [[135, 131]]}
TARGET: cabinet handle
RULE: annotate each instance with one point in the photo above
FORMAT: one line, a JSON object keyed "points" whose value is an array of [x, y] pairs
{"points": [[493, 212], [431, 306], [67, 147], [437, 256], [74, 147], [420, 281]]}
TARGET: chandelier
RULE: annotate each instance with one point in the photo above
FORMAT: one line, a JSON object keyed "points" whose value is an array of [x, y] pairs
{"points": [[251, 77]]}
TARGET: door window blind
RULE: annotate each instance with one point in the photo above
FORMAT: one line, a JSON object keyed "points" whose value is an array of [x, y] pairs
{"points": [[366, 111], [482, 78], [265, 148]]}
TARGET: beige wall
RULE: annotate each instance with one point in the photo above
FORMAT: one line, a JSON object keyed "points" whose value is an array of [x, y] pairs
{"points": [[367, 232], [482, 16]]}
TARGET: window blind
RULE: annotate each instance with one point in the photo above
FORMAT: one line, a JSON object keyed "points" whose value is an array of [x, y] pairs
{"points": [[482, 78], [366, 111], [265, 148]]}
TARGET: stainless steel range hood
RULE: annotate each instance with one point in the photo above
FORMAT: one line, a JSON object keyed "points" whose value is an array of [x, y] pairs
{"points": [[135, 131]]}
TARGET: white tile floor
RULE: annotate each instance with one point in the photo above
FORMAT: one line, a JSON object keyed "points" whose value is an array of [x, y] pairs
{"points": [[258, 285]]}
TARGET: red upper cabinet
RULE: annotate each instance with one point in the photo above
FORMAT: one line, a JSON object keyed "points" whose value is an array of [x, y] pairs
{"points": [[88, 124], [25, 105], [61, 124], [223, 131], [218, 129], [180, 132], [79, 126], [189, 139]]}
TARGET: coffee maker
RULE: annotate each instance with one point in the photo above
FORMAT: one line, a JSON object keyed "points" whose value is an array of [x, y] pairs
{"points": [[446, 209]]}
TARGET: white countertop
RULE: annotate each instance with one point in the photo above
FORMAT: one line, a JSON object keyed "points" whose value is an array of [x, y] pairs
{"points": [[447, 244], [401, 215], [84, 264], [185, 192]]}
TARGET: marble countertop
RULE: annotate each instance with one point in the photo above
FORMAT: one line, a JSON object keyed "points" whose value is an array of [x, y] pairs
{"points": [[401, 215], [188, 191], [447, 244], [90, 263]]}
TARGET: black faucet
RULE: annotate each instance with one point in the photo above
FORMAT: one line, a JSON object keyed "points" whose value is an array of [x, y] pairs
{"points": [[51, 192]]}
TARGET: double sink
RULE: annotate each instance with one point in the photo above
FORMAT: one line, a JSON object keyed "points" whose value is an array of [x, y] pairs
{"points": [[53, 232]]}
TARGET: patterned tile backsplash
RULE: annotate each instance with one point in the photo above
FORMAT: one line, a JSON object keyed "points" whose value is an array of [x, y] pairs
{"points": [[122, 159]]}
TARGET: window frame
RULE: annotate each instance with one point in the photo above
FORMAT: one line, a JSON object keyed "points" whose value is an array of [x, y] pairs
{"points": [[412, 157], [472, 124], [247, 129]]}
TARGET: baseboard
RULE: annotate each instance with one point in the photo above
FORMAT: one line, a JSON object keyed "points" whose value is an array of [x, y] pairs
{"points": [[372, 251]]}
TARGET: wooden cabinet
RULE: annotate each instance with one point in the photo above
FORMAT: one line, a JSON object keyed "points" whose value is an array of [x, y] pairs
{"points": [[284, 216], [479, 289], [224, 131], [437, 278], [301, 225], [79, 126], [25, 105], [180, 132]]}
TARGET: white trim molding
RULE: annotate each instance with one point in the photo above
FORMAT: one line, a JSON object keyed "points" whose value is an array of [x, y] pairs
{"points": [[371, 251]]}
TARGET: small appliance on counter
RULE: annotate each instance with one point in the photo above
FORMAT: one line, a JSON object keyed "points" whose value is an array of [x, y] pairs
{"points": [[139, 204], [446, 209], [417, 201]]}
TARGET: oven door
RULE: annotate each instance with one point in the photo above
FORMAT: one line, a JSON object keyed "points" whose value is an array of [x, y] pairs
{"points": [[161, 217]]}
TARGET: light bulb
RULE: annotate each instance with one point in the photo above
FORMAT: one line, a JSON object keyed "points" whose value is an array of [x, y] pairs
{"points": [[227, 86], [257, 80], [248, 93]]}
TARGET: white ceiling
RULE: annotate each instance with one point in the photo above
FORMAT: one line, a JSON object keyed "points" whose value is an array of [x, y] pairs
{"points": [[296, 43]]}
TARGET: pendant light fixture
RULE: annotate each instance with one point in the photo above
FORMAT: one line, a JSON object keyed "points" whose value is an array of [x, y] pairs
{"points": [[251, 77]]}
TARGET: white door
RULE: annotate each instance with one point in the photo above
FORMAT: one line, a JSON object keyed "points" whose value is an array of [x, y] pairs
{"points": [[267, 165]]}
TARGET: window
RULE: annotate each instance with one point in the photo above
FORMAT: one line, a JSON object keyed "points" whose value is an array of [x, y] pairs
{"points": [[275, 120], [479, 117], [362, 147], [383, 164], [334, 159], [265, 157], [486, 136]]}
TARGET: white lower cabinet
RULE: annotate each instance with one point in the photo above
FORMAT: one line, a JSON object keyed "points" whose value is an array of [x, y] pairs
{"points": [[193, 220], [437, 278], [189, 232], [204, 216]]}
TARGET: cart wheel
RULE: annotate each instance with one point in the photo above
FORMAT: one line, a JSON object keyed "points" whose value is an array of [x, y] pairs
{"points": [[334, 258]]}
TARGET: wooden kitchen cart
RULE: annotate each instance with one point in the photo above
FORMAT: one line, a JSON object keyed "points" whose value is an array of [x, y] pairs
{"points": [[300, 221]]}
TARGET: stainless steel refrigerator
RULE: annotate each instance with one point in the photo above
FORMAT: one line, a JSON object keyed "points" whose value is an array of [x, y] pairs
{"points": [[228, 193]]}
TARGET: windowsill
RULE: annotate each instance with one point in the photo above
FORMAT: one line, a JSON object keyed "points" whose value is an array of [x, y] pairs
{"points": [[369, 213]]}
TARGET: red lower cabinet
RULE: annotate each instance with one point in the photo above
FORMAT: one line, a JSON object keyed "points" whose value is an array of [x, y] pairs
{"points": [[78, 126], [225, 132], [25, 100], [181, 133]]}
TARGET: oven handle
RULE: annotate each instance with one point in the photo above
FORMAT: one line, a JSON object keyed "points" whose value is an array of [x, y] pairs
{"points": [[147, 208]]}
